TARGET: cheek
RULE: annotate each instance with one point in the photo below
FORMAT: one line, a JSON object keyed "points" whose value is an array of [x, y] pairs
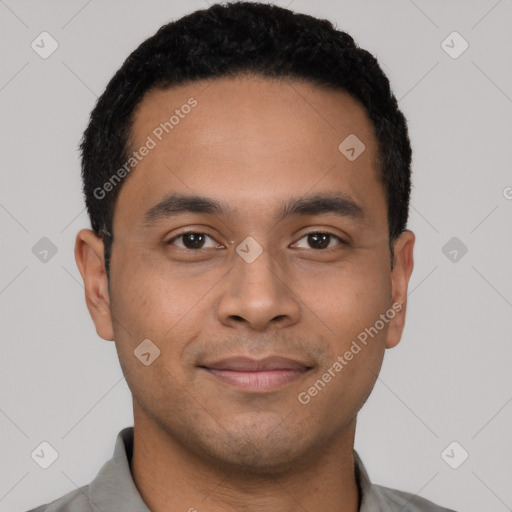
{"points": [[148, 305], [361, 331], [151, 296], [348, 300], [152, 300], [356, 333]]}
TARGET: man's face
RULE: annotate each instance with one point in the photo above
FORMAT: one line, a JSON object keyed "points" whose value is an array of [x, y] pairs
{"points": [[251, 284]]}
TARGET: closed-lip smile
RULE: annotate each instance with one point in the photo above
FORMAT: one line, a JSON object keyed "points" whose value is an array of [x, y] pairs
{"points": [[257, 375]]}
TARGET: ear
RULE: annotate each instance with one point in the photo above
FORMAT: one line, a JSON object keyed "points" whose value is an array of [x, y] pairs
{"points": [[90, 262], [402, 269]]}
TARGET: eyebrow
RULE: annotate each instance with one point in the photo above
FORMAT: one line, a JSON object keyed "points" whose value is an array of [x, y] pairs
{"points": [[176, 204]]}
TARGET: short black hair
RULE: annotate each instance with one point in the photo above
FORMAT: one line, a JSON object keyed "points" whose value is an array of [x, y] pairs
{"points": [[229, 40]]}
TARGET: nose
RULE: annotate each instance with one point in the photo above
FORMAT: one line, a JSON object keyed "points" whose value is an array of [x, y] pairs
{"points": [[258, 294]]}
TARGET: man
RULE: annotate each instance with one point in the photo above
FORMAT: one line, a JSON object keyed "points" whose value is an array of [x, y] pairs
{"points": [[247, 177]]}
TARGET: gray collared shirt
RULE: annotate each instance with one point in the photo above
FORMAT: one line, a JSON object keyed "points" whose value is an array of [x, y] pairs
{"points": [[113, 489]]}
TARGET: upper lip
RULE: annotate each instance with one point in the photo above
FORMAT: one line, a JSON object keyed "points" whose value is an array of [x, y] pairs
{"points": [[254, 365]]}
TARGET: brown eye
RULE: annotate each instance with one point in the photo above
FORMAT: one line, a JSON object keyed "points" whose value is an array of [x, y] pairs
{"points": [[191, 240], [321, 240]]}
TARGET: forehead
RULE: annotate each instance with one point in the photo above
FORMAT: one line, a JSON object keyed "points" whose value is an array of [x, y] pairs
{"points": [[244, 105], [252, 142]]}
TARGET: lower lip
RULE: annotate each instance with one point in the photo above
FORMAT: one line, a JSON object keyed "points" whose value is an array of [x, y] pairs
{"points": [[260, 381]]}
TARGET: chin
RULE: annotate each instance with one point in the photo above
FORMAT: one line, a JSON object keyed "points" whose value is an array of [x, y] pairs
{"points": [[255, 450], [249, 457]]}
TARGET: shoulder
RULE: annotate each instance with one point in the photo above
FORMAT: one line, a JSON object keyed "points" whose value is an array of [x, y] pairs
{"points": [[406, 502], [74, 501]]}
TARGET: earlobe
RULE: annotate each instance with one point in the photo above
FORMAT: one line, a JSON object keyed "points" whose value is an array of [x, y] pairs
{"points": [[400, 275], [90, 262]]}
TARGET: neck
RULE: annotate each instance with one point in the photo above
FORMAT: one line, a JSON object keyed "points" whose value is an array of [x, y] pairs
{"points": [[170, 478]]}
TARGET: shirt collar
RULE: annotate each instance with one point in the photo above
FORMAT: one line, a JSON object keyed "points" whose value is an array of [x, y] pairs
{"points": [[114, 490]]}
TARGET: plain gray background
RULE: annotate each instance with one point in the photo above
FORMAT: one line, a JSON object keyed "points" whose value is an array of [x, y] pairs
{"points": [[448, 380]]}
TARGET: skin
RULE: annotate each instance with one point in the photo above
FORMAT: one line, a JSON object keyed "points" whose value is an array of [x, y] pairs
{"points": [[254, 143]]}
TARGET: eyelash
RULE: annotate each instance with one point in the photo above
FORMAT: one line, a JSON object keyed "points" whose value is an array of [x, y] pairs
{"points": [[338, 238]]}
